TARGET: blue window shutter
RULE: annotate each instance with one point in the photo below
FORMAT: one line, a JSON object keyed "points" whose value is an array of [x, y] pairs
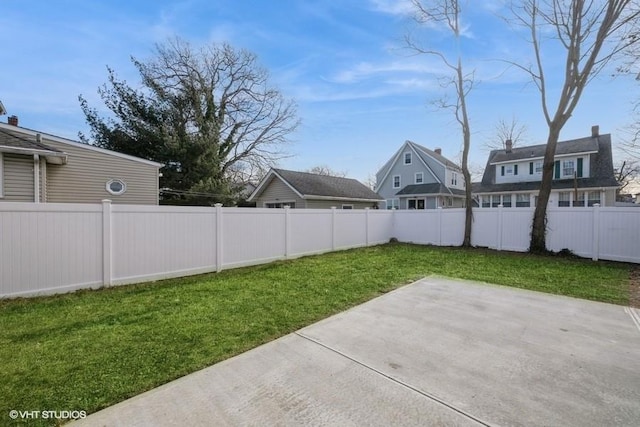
{"points": [[557, 170], [515, 169], [530, 168], [579, 167], [502, 170]]}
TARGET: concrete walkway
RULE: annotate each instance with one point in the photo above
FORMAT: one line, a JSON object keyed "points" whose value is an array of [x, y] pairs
{"points": [[437, 352]]}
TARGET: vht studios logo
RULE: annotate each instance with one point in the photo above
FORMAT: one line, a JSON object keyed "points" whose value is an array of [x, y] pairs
{"points": [[47, 415]]}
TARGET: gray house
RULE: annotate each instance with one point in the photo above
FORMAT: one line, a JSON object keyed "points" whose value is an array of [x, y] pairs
{"points": [[37, 167], [302, 190], [583, 174], [419, 178]]}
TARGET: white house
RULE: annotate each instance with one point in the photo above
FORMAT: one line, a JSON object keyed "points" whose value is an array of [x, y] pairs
{"points": [[583, 174]]}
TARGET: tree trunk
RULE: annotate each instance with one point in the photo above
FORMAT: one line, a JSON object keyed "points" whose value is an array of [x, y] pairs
{"points": [[538, 243]]}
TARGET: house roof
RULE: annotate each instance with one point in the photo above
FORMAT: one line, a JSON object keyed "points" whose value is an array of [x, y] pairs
{"points": [[601, 165], [29, 136], [433, 188], [310, 186], [17, 143], [439, 157]]}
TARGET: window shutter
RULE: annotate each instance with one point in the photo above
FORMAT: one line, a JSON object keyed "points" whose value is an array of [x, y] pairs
{"points": [[557, 170], [530, 168], [579, 167], [502, 170], [515, 169]]}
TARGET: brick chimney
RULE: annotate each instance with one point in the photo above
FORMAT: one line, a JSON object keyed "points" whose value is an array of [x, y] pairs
{"points": [[438, 151], [508, 145], [12, 120], [595, 131]]}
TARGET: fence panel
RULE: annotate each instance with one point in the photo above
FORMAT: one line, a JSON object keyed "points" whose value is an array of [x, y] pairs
{"points": [[484, 231], [47, 247], [570, 228], [350, 228], [153, 242], [516, 229], [619, 234], [417, 226], [380, 226], [252, 236], [452, 227], [311, 231]]}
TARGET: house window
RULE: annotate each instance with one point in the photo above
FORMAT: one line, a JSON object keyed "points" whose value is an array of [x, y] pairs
{"points": [[347, 206], [449, 201], [280, 205], [568, 166], [564, 199], [506, 200], [415, 204], [116, 187], [393, 203], [419, 178], [523, 201], [509, 169], [454, 178], [407, 158], [594, 197], [537, 167], [396, 181], [495, 200], [579, 202], [486, 201]]}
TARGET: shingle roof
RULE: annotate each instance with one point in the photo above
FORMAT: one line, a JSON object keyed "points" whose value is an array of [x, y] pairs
{"points": [[309, 184], [601, 165], [439, 157], [17, 140], [433, 188]]}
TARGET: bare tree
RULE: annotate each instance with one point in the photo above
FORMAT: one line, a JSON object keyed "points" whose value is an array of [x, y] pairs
{"points": [[327, 171], [513, 131], [591, 33], [447, 13], [210, 115], [626, 173]]}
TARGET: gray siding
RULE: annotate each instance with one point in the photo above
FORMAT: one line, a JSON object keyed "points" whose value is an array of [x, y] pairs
{"points": [[83, 179], [407, 175], [276, 190], [17, 178], [327, 204]]}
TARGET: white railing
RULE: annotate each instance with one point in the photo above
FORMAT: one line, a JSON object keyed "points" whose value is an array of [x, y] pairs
{"points": [[50, 248]]}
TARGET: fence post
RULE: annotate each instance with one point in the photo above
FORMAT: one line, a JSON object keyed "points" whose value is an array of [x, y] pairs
{"points": [[218, 237], [287, 231], [333, 228], [366, 226], [500, 213], [106, 243], [595, 250]]}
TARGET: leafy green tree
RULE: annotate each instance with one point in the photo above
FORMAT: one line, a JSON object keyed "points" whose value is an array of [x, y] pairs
{"points": [[209, 115]]}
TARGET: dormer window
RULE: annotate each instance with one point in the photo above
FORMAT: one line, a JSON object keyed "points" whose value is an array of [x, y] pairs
{"points": [[568, 167], [407, 158]]}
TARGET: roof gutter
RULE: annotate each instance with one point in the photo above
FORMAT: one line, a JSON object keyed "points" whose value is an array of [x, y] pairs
{"points": [[50, 156]]}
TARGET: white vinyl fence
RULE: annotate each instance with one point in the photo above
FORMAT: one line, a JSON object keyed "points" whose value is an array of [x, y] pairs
{"points": [[50, 248]]}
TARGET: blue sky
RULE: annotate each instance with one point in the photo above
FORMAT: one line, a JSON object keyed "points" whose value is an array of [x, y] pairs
{"points": [[360, 95]]}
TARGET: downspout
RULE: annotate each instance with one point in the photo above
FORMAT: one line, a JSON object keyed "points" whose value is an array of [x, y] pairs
{"points": [[36, 178]]}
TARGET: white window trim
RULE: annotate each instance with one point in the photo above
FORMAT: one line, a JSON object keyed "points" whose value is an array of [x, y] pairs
{"points": [[116, 193], [404, 158], [393, 202], [575, 168], [393, 182], [422, 178]]}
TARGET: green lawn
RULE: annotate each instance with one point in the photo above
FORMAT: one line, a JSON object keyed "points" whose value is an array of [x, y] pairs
{"points": [[91, 349]]}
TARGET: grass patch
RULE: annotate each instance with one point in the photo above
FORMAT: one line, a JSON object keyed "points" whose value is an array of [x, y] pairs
{"points": [[91, 349]]}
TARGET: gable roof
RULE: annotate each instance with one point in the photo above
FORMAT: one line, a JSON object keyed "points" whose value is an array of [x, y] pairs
{"points": [[422, 153], [29, 136], [601, 165], [314, 186]]}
